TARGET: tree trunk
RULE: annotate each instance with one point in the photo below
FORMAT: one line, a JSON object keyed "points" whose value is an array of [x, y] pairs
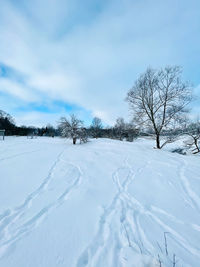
{"points": [[196, 144], [158, 141], [74, 140]]}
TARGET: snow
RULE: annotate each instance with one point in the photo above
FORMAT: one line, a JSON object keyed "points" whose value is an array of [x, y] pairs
{"points": [[104, 203]]}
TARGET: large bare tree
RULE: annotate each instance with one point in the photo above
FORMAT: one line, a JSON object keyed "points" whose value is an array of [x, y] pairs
{"points": [[158, 98]]}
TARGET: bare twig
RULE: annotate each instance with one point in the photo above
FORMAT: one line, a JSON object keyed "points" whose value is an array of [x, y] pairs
{"points": [[159, 261], [159, 247], [174, 260], [165, 237]]}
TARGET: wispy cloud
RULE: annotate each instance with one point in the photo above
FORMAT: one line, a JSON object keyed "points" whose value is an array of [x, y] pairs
{"points": [[89, 54]]}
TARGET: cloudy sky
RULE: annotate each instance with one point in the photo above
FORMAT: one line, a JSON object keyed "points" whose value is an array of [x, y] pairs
{"points": [[72, 56]]}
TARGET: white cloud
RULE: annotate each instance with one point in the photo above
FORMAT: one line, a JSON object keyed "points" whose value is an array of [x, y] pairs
{"points": [[39, 119], [92, 63], [57, 85], [14, 89]]}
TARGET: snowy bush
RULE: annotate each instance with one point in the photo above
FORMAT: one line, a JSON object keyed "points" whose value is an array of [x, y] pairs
{"points": [[73, 128]]}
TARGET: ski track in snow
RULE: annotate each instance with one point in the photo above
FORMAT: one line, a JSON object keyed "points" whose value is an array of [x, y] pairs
{"points": [[119, 226], [19, 154], [101, 247], [192, 197], [13, 222]]}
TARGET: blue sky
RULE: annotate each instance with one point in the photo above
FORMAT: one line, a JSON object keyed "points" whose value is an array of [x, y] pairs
{"points": [[64, 56]]}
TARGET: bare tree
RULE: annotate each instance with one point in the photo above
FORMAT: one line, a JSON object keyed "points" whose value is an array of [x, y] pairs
{"points": [[83, 135], [71, 128], [96, 127], [193, 131], [158, 98], [7, 123], [50, 130], [132, 132], [120, 128]]}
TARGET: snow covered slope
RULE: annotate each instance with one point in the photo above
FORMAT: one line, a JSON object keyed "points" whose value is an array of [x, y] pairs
{"points": [[102, 204]]}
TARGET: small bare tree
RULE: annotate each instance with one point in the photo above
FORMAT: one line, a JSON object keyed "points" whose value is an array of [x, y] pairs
{"points": [[132, 132], [96, 127], [71, 128], [194, 133], [158, 98], [83, 135], [120, 128]]}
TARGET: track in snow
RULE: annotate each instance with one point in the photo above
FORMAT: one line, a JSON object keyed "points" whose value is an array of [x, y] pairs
{"points": [[119, 226], [192, 198], [62, 179], [113, 231]]}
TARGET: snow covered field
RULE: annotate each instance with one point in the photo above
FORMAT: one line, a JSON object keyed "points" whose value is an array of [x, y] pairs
{"points": [[102, 204]]}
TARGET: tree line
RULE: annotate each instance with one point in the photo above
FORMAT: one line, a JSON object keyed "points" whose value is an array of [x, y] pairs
{"points": [[73, 128], [7, 123]]}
